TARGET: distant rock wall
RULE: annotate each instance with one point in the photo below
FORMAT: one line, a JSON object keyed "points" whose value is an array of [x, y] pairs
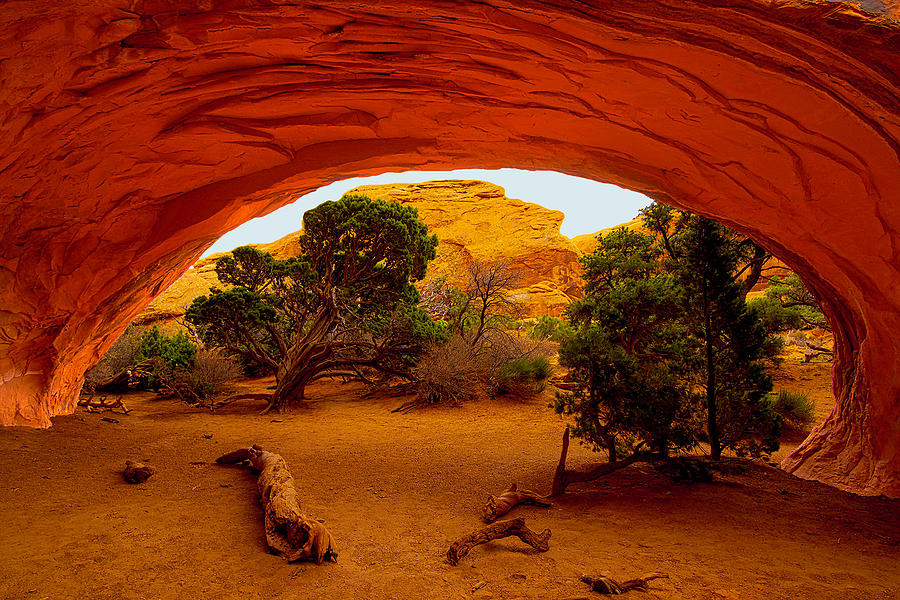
{"points": [[474, 220]]}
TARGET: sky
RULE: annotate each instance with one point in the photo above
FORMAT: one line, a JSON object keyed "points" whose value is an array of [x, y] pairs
{"points": [[588, 205]]}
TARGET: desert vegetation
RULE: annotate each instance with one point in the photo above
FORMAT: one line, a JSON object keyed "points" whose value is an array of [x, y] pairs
{"points": [[665, 351], [345, 306], [661, 359]]}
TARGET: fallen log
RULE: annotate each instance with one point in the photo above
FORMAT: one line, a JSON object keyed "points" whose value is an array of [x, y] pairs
{"points": [[289, 533], [607, 585], [496, 531], [497, 506], [102, 404], [563, 478]]}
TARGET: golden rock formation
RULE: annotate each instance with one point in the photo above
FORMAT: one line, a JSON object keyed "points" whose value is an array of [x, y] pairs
{"points": [[474, 221], [135, 133]]}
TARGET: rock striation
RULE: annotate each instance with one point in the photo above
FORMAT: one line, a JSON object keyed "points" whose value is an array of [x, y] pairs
{"points": [[136, 132]]}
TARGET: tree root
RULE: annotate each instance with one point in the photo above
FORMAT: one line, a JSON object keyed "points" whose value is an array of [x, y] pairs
{"points": [[496, 531], [289, 533], [497, 506], [607, 585]]}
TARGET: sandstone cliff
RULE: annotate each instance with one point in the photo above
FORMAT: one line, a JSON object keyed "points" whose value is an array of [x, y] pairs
{"points": [[474, 220]]}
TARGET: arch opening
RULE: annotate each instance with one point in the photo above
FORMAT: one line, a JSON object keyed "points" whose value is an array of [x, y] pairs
{"points": [[134, 138]]}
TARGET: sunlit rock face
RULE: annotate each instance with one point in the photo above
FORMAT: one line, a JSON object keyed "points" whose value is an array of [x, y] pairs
{"points": [[475, 223], [134, 133]]}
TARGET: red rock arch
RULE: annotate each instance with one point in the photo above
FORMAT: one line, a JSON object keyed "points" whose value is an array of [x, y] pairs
{"points": [[135, 133]]}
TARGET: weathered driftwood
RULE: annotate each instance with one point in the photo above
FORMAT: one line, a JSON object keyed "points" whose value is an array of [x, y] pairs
{"points": [[136, 472], [497, 506], [289, 533], [607, 585], [102, 404], [496, 531], [563, 478]]}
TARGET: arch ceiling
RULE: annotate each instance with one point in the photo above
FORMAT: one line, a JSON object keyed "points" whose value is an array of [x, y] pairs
{"points": [[136, 132]]}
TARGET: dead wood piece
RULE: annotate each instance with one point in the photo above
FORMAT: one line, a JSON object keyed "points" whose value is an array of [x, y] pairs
{"points": [[562, 478], [289, 533], [607, 585], [125, 379], [496, 531], [497, 506], [136, 472], [233, 458], [102, 404]]}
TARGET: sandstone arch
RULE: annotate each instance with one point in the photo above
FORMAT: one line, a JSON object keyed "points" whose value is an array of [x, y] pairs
{"points": [[135, 133]]}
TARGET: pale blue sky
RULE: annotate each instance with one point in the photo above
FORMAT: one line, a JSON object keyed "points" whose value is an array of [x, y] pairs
{"points": [[588, 205]]}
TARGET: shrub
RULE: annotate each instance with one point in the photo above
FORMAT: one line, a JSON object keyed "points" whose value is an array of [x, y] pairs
{"points": [[755, 430], [499, 363], [175, 351], [550, 328], [448, 373], [523, 375], [796, 408], [121, 355], [200, 380], [213, 369]]}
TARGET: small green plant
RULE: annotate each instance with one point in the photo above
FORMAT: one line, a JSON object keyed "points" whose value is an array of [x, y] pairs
{"points": [[550, 328], [796, 408], [176, 351], [523, 375]]}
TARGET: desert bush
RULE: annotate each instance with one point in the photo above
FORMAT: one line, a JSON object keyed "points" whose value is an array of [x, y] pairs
{"points": [[448, 373], [796, 408], [213, 369], [752, 429], [121, 355], [500, 363], [176, 351], [550, 328], [199, 380], [524, 375]]}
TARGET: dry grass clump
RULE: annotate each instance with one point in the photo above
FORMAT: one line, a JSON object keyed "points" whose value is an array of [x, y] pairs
{"points": [[214, 368], [121, 355], [796, 408], [500, 362]]}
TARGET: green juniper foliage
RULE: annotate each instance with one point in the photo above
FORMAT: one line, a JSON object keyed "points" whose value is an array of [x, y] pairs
{"points": [[176, 351], [663, 340], [346, 305]]}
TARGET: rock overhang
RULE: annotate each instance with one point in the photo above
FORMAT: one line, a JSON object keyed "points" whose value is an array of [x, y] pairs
{"points": [[136, 133]]}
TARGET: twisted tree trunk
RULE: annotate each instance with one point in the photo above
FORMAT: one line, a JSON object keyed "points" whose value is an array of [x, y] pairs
{"points": [[562, 478], [302, 361], [289, 533]]}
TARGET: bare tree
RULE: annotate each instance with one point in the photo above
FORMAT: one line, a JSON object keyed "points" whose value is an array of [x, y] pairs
{"points": [[487, 302]]}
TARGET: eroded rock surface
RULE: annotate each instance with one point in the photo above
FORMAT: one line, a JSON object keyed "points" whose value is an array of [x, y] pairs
{"points": [[474, 221], [135, 133]]}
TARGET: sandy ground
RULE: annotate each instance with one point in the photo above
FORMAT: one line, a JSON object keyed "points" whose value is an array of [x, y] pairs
{"points": [[395, 490]]}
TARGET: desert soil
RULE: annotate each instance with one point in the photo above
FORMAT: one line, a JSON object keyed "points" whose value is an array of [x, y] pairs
{"points": [[395, 490]]}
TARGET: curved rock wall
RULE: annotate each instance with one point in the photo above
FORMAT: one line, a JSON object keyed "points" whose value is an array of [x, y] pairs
{"points": [[135, 132]]}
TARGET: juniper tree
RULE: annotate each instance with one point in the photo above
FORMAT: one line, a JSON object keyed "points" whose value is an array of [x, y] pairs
{"points": [[344, 305]]}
